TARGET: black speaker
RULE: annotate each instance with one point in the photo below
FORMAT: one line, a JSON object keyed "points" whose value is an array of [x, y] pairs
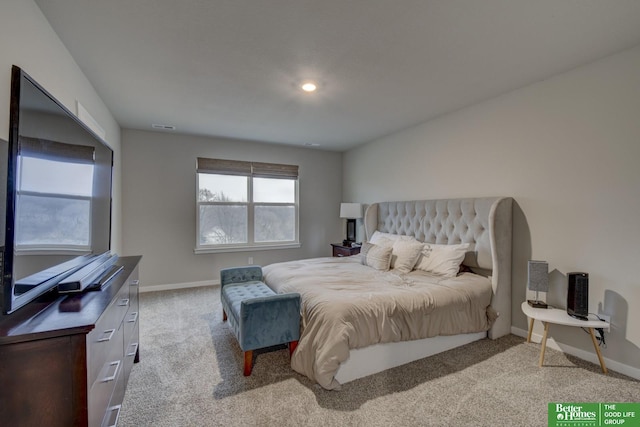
{"points": [[578, 295]]}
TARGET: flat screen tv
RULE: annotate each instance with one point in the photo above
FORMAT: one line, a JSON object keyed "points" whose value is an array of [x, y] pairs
{"points": [[56, 196]]}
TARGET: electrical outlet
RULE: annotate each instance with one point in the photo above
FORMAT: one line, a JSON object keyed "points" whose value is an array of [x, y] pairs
{"points": [[250, 260], [604, 317]]}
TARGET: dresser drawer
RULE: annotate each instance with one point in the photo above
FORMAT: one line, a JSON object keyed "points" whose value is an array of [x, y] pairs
{"points": [[112, 412], [131, 318], [111, 416], [134, 286], [130, 352], [103, 340], [109, 373], [130, 324]]}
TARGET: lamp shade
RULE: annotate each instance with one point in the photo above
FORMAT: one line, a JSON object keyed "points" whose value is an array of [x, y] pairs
{"points": [[350, 210], [538, 276]]}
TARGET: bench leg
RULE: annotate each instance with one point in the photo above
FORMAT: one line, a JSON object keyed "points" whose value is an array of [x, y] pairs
{"points": [[292, 347], [224, 315], [248, 362]]}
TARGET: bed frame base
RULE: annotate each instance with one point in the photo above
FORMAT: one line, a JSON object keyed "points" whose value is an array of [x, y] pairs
{"points": [[380, 357]]}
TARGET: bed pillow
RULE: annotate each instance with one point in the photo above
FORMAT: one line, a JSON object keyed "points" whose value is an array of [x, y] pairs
{"points": [[442, 259], [405, 254], [375, 256], [378, 235], [384, 242]]}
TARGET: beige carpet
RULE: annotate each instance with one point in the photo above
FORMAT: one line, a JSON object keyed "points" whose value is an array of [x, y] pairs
{"points": [[190, 374]]}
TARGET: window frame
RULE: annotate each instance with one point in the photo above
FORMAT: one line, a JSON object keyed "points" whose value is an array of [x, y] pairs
{"points": [[251, 170]]}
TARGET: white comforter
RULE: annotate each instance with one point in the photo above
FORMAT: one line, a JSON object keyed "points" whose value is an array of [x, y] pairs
{"points": [[347, 305]]}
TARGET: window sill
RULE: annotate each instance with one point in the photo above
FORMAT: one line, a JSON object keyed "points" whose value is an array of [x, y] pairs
{"points": [[246, 248], [53, 251]]}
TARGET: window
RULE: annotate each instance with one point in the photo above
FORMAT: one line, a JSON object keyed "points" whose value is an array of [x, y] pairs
{"points": [[244, 205], [54, 189]]}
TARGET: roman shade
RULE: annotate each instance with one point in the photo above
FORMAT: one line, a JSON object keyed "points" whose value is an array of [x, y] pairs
{"points": [[243, 168]]}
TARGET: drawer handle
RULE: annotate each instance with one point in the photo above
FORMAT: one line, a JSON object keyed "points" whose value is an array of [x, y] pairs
{"points": [[108, 331], [115, 409], [135, 282], [124, 302], [115, 372], [135, 349], [134, 317]]}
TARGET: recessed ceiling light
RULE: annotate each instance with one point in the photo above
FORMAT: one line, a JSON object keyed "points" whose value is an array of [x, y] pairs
{"points": [[311, 144], [309, 86]]}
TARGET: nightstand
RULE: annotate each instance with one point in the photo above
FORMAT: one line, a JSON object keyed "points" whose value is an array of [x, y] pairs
{"points": [[340, 250], [560, 317]]}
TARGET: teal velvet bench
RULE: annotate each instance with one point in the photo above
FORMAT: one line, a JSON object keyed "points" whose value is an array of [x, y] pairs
{"points": [[257, 315]]}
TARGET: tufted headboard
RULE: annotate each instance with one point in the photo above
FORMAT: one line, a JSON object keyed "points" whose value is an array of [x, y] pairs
{"points": [[485, 223]]}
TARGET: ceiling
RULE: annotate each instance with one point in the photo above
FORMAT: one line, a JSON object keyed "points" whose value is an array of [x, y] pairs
{"points": [[232, 68]]}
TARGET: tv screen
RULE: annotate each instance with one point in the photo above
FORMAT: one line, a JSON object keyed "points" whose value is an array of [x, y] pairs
{"points": [[58, 194]]}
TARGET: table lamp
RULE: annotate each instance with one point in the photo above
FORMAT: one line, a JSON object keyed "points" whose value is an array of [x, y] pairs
{"points": [[538, 280], [350, 211]]}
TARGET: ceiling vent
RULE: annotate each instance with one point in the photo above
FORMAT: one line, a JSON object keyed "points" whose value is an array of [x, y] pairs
{"points": [[163, 127]]}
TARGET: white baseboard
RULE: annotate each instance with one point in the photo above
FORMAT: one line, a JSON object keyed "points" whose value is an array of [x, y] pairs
{"points": [[582, 354], [174, 286]]}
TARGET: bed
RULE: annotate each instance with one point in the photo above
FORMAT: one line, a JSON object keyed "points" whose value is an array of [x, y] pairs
{"points": [[359, 318]]}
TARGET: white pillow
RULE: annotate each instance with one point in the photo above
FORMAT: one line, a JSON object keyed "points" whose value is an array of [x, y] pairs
{"points": [[405, 254], [378, 257], [442, 259], [383, 241], [377, 235]]}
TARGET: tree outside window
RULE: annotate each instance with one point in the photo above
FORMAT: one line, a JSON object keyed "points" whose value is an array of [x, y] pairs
{"points": [[246, 204]]}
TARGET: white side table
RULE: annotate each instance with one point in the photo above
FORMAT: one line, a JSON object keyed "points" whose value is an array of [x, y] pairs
{"points": [[560, 317]]}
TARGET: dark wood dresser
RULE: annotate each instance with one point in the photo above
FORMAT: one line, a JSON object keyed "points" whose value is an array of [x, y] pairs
{"points": [[65, 360]]}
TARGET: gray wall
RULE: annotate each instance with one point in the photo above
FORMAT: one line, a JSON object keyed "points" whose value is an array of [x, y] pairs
{"points": [[159, 196], [28, 41], [567, 150]]}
